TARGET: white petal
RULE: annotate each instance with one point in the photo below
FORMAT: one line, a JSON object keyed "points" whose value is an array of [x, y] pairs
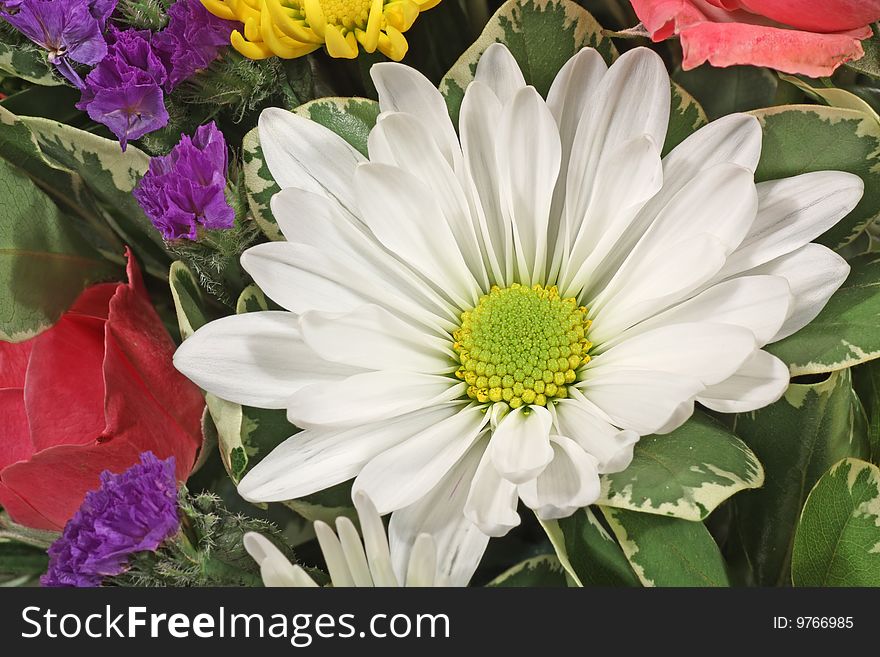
{"points": [[301, 277], [276, 269], [578, 419], [370, 397], [734, 139], [528, 168], [478, 123], [793, 212], [275, 569], [646, 287], [491, 501], [316, 459], [404, 89], [353, 549], [257, 359], [761, 380], [413, 227], [408, 471], [704, 351], [814, 273], [302, 153], [644, 401], [520, 446], [375, 541], [570, 482], [337, 564], [573, 89], [629, 178], [498, 70], [720, 202], [319, 222], [440, 513], [758, 303], [632, 99], [422, 568], [373, 338], [401, 140]]}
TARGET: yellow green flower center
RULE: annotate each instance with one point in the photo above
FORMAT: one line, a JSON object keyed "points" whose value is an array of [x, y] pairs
{"points": [[522, 345], [347, 13]]}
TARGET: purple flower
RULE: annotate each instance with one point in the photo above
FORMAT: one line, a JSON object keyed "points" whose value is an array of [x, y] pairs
{"points": [[185, 189], [66, 28], [124, 91], [191, 41], [101, 10], [131, 512], [10, 5]]}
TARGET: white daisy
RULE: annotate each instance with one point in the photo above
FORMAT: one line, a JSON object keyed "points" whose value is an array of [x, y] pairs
{"points": [[497, 314], [350, 561]]}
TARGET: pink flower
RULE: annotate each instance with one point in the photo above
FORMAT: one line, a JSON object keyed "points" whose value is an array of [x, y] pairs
{"points": [[794, 36]]}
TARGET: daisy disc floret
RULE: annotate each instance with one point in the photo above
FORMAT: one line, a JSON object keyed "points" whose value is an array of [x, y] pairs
{"points": [[494, 312]]}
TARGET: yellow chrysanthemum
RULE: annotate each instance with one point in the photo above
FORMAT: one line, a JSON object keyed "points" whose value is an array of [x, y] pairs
{"points": [[293, 28]]}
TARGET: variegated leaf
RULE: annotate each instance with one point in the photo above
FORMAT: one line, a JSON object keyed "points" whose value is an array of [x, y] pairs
{"points": [[44, 263], [797, 439], [804, 138], [541, 34], [588, 552], [845, 332], [837, 542], [684, 474], [350, 118], [541, 571], [28, 63], [668, 551]]}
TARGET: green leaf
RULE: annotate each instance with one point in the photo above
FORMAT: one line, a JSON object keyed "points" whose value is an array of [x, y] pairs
{"points": [[251, 300], [866, 381], [796, 439], [684, 474], [28, 63], [723, 91], [542, 571], [668, 551], [350, 118], [804, 138], [20, 559], [588, 552], [832, 96], [838, 539], [845, 332], [685, 117], [541, 34], [187, 297], [44, 264], [870, 63]]}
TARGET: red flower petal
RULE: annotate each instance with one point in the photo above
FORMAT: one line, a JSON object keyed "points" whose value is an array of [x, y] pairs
{"points": [[64, 391], [15, 441], [825, 16], [13, 363], [790, 51], [22, 512]]}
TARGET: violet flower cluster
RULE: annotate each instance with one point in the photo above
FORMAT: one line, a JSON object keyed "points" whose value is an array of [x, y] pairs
{"points": [[71, 30], [133, 69], [131, 512], [186, 188]]}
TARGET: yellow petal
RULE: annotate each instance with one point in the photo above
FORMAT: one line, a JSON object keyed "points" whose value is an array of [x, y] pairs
{"points": [[401, 15], [253, 4], [315, 16], [343, 47], [220, 9], [281, 45], [249, 49], [425, 5], [244, 11], [290, 26], [370, 38], [252, 29], [393, 44]]}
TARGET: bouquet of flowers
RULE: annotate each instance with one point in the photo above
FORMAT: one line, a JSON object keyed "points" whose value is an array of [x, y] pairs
{"points": [[439, 293]]}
